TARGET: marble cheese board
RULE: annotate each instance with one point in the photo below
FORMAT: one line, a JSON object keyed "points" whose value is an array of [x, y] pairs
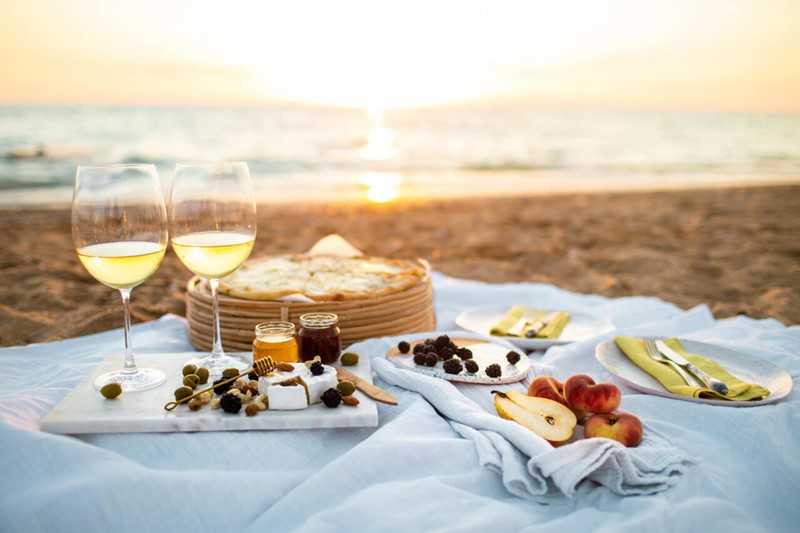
{"points": [[84, 410]]}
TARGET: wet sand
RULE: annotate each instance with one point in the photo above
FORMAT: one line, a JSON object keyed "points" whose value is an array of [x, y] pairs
{"points": [[735, 249]]}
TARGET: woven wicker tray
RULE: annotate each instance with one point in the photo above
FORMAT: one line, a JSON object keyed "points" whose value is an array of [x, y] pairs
{"points": [[409, 311]]}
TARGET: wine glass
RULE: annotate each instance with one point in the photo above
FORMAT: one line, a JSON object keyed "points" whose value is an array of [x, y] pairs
{"points": [[119, 229], [212, 218]]}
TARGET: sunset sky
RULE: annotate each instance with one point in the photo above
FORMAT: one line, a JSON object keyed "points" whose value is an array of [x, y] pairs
{"points": [[658, 54]]}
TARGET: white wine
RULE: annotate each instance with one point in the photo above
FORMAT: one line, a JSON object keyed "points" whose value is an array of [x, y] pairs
{"points": [[213, 254], [122, 264]]}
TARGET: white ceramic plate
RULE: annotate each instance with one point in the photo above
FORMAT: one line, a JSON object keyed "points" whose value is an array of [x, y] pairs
{"points": [[745, 367], [581, 326], [485, 353]]}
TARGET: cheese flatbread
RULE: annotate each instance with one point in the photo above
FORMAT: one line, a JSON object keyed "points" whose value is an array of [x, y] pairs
{"points": [[321, 278]]}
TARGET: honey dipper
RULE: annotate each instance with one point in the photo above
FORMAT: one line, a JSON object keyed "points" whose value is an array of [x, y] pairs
{"points": [[261, 367]]}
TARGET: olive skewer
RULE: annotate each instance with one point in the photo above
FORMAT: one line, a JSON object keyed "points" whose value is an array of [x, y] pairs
{"points": [[261, 367]]}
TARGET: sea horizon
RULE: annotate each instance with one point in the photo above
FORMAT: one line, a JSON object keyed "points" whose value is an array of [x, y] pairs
{"points": [[299, 153]]}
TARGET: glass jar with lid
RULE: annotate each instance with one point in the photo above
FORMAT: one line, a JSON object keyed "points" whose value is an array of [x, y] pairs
{"points": [[319, 335], [276, 339]]}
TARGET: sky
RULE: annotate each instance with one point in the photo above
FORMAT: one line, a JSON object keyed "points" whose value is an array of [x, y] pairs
{"points": [[711, 55]]}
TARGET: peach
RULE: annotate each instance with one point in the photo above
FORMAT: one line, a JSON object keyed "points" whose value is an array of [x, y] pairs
{"points": [[581, 392], [619, 426], [552, 389]]}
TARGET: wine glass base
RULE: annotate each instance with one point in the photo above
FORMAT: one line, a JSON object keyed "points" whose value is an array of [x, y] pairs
{"points": [[217, 363], [142, 379]]}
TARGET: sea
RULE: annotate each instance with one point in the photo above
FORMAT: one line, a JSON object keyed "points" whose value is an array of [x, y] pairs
{"points": [[319, 154]]}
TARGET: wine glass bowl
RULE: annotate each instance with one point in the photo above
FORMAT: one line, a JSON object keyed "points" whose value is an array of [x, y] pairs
{"points": [[119, 230], [212, 219]]}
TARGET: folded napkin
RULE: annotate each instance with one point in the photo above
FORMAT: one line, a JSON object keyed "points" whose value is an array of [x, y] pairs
{"points": [[529, 466], [519, 319], [738, 390]]}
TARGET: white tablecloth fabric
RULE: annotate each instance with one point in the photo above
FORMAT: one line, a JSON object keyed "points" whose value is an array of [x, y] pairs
{"points": [[416, 470]]}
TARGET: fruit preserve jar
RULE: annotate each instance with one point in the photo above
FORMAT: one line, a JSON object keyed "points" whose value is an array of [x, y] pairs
{"points": [[319, 335], [276, 339]]}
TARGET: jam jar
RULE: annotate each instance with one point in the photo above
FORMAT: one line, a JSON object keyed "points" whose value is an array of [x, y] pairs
{"points": [[277, 340], [319, 335]]}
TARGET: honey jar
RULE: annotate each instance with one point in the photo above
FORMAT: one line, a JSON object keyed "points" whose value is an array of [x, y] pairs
{"points": [[319, 335], [276, 339]]}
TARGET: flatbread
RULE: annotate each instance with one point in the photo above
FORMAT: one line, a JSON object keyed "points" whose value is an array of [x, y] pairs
{"points": [[321, 278]]}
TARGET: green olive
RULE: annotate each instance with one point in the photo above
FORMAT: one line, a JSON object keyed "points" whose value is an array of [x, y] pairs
{"points": [[230, 372], [202, 373], [346, 387], [349, 359], [189, 369], [191, 380], [111, 390], [182, 392]]}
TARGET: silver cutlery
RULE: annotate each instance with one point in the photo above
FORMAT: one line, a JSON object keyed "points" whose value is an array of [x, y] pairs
{"points": [[537, 326], [652, 351], [710, 382]]}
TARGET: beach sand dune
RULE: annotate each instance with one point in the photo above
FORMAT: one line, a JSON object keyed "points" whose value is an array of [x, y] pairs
{"points": [[736, 250]]}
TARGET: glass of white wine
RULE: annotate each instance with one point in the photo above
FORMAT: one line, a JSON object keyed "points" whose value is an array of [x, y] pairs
{"points": [[212, 219], [119, 229]]}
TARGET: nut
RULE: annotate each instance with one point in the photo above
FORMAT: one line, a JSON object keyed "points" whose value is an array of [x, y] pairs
{"points": [[350, 400], [251, 409], [215, 403], [285, 367], [195, 404], [205, 397]]}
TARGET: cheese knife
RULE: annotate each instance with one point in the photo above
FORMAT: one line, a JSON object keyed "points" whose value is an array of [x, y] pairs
{"points": [[376, 393], [710, 382]]}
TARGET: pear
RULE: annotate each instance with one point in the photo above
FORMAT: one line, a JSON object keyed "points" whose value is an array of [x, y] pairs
{"points": [[550, 420]]}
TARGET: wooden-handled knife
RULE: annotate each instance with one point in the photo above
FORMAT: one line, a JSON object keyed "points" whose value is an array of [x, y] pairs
{"points": [[376, 393]]}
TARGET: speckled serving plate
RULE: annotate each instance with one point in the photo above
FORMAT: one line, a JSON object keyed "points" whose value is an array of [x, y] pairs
{"points": [[484, 352]]}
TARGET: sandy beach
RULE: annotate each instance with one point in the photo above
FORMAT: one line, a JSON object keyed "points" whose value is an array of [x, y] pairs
{"points": [[734, 249]]}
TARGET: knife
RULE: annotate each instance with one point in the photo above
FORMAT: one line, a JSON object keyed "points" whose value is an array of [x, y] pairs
{"points": [[711, 383], [376, 393], [537, 326]]}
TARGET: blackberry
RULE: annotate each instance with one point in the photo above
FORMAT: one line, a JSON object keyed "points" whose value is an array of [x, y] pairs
{"points": [[332, 397], [494, 370], [419, 348], [222, 389], [252, 376], [419, 359], [316, 368], [230, 403], [471, 366], [464, 353], [512, 357], [430, 359], [403, 346], [446, 353], [453, 366], [442, 341]]}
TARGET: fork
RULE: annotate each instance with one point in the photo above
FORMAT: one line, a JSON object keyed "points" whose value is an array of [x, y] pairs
{"points": [[652, 351]]}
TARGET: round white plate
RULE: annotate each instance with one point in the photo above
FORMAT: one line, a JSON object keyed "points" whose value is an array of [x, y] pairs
{"points": [[484, 352], [581, 326], [745, 367]]}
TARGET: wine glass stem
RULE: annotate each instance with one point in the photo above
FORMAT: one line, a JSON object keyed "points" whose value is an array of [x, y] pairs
{"points": [[130, 364], [216, 348]]}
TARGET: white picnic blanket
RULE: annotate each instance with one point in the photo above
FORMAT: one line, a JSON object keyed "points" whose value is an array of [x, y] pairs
{"points": [[710, 467]]}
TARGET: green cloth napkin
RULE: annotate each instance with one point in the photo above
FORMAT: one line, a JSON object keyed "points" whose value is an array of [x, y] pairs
{"points": [[738, 390], [518, 318]]}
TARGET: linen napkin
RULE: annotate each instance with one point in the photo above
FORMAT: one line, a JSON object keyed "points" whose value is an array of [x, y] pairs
{"points": [[738, 390], [529, 466], [519, 318]]}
